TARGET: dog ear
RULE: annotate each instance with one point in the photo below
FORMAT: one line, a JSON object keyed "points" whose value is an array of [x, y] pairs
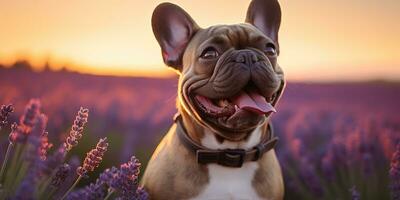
{"points": [[173, 29], [266, 16]]}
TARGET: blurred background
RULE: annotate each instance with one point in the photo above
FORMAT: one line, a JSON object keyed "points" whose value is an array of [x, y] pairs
{"points": [[338, 120]]}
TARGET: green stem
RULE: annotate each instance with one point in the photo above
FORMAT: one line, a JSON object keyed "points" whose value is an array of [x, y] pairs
{"points": [[45, 183], [48, 194], [19, 176], [6, 157], [17, 152], [110, 192], [12, 171], [71, 188]]}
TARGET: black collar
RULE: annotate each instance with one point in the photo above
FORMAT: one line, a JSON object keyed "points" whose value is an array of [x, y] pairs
{"points": [[225, 157]]}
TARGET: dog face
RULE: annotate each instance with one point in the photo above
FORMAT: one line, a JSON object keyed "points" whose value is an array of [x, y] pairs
{"points": [[230, 80]]}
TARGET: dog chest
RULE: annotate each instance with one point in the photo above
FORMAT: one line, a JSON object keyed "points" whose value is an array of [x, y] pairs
{"points": [[227, 182], [230, 183]]}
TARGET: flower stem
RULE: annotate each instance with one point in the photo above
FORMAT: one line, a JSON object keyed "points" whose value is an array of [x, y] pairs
{"points": [[48, 194], [6, 157], [44, 185], [20, 174], [71, 188], [110, 192]]}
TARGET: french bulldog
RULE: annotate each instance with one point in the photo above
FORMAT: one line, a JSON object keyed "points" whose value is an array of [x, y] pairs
{"points": [[221, 145]]}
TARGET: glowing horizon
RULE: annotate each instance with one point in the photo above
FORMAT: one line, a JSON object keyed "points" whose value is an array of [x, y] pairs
{"points": [[341, 40]]}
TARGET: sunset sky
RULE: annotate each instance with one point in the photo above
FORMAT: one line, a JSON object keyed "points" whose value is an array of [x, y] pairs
{"points": [[321, 40]]}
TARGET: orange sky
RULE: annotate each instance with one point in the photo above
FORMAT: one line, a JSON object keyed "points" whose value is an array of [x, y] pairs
{"points": [[320, 40]]}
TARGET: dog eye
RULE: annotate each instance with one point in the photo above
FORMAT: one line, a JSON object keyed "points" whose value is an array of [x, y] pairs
{"points": [[270, 49], [209, 53]]}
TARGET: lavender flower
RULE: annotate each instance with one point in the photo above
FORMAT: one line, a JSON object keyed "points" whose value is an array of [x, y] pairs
{"points": [[355, 195], [310, 178], [31, 111], [45, 145], [93, 158], [34, 171], [78, 194], [333, 159], [93, 191], [54, 160], [74, 163], [141, 194], [61, 175], [125, 180], [34, 140], [26, 189], [77, 128], [127, 177], [395, 174], [109, 177], [4, 113], [19, 133], [16, 134]]}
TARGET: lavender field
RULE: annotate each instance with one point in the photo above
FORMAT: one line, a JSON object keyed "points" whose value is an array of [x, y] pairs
{"points": [[337, 140]]}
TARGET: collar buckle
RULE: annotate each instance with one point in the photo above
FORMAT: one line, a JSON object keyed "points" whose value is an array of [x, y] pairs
{"points": [[227, 157], [232, 157]]}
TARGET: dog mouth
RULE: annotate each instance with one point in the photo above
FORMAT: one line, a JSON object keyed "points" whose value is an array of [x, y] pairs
{"points": [[247, 100]]}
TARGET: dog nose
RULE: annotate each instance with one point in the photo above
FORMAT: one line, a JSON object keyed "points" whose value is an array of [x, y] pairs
{"points": [[245, 56]]}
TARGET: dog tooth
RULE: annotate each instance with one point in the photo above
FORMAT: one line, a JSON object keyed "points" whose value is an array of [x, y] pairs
{"points": [[220, 103], [223, 102], [226, 102]]}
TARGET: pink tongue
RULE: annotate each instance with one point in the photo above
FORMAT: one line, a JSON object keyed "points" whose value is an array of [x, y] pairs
{"points": [[252, 101]]}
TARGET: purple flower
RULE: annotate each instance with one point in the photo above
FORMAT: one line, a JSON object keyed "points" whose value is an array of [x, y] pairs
{"points": [[74, 163], [93, 158], [45, 145], [141, 194], [127, 177], [35, 137], [78, 194], [355, 195], [16, 134], [61, 174], [395, 174], [77, 128], [94, 191], [334, 158], [26, 189], [109, 177], [310, 178], [19, 133], [4, 113], [54, 160], [31, 110], [125, 180]]}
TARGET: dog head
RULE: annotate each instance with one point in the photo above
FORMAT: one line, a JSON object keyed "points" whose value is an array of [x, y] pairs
{"points": [[230, 80]]}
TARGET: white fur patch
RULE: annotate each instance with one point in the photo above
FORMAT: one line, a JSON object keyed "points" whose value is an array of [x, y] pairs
{"points": [[226, 182]]}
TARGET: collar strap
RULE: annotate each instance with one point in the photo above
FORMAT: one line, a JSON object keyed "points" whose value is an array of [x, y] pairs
{"points": [[225, 157]]}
